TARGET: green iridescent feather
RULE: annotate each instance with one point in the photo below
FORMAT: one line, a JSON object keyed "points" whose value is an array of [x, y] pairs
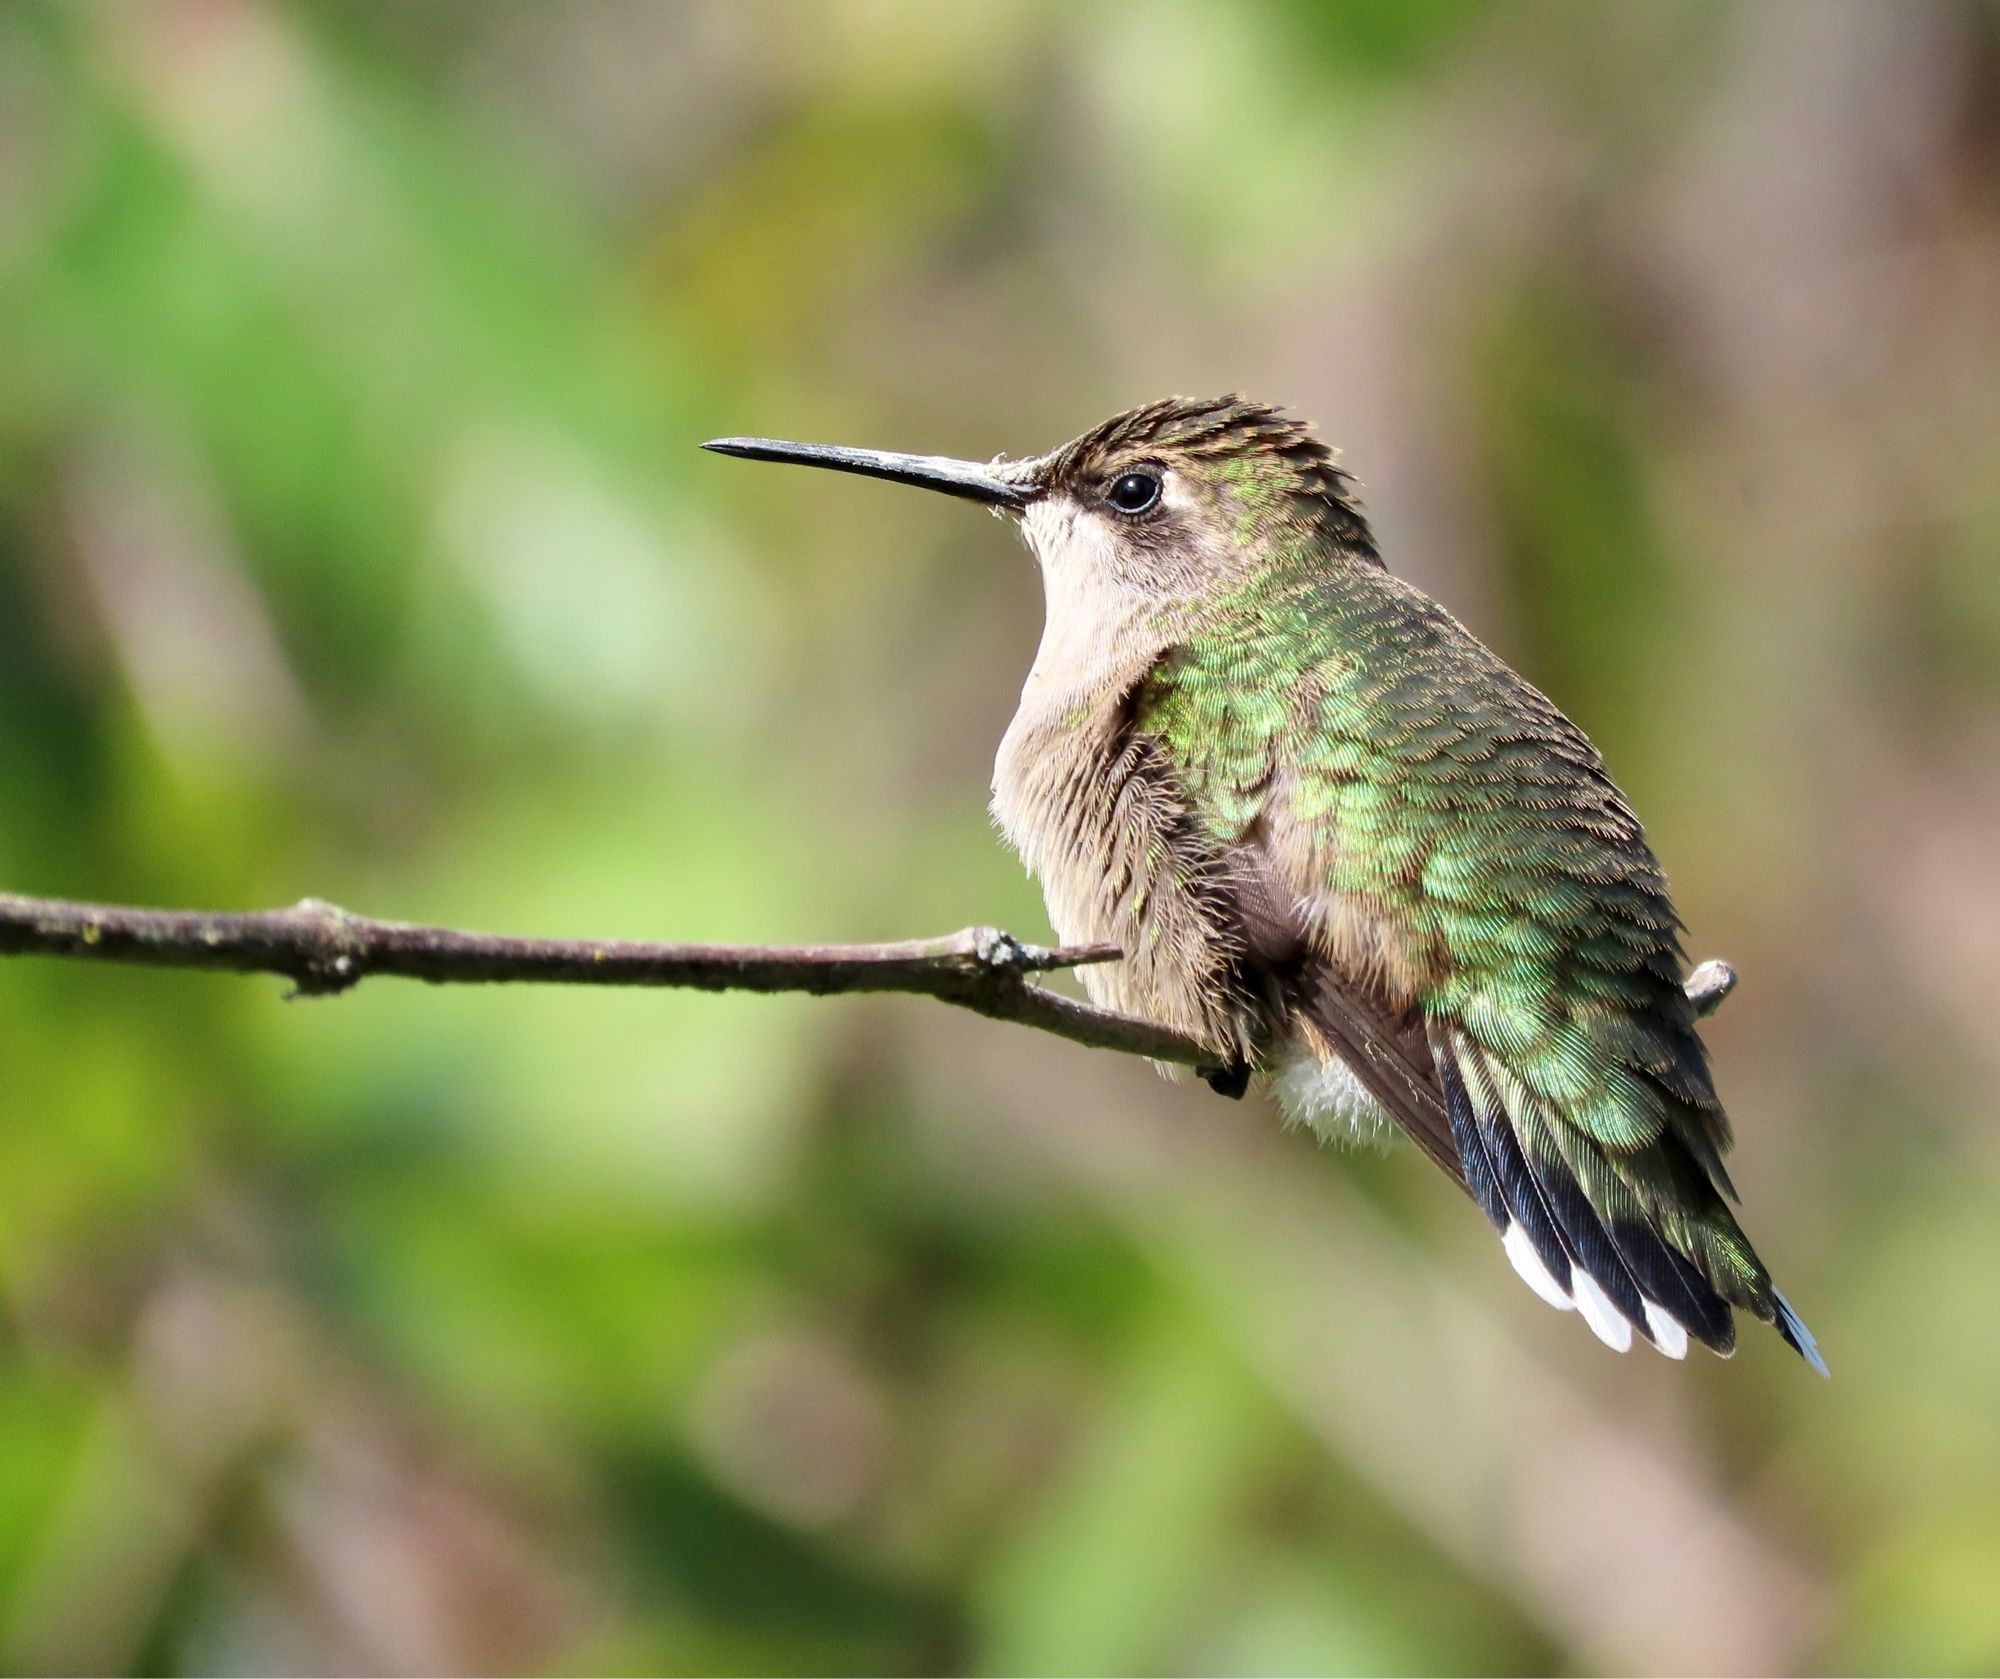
{"points": [[1449, 798]]}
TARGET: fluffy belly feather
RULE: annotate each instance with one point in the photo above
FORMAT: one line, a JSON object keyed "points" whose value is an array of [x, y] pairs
{"points": [[1326, 1096], [1100, 825]]}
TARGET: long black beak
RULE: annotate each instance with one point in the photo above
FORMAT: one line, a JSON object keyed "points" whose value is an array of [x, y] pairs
{"points": [[972, 480]]}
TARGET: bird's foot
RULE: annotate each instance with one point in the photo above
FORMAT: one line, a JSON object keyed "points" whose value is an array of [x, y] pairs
{"points": [[1230, 1081]]}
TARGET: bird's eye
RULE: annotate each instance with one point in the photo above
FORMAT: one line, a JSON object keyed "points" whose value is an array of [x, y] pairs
{"points": [[1134, 492]]}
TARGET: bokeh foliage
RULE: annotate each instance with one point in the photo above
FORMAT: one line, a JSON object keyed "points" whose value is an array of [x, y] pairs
{"points": [[353, 542]]}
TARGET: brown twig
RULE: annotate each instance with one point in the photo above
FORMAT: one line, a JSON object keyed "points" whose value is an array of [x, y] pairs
{"points": [[323, 950]]}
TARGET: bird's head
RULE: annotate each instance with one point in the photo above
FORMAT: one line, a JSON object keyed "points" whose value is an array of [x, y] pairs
{"points": [[1171, 502]]}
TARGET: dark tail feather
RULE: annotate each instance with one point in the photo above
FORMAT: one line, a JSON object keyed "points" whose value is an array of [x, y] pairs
{"points": [[1797, 1336], [1660, 1292], [1482, 1176], [1617, 1307], [1611, 1264], [1528, 1229], [1674, 1285]]}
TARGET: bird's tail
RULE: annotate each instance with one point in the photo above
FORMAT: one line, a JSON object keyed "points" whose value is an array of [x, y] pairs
{"points": [[1633, 1241]]}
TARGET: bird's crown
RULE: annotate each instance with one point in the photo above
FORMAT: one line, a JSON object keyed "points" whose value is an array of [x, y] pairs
{"points": [[1263, 457]]}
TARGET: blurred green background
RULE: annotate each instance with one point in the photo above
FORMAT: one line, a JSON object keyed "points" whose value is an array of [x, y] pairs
{"points": [[353, 541]]}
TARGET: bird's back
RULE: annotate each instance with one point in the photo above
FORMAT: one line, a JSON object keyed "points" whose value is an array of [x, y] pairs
{"points": [[1476, 922]]}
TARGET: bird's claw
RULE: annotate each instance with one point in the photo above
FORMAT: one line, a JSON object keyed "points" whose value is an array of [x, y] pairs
{"points": [[1230, 1081]]}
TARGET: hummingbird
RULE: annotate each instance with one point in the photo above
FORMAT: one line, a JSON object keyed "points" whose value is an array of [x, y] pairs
{"points": [[1343, 844]]}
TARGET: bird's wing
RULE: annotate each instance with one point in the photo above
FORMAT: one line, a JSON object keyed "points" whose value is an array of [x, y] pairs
{"points": [[1236, 790], [1384, 1042], [1490, 946]]}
